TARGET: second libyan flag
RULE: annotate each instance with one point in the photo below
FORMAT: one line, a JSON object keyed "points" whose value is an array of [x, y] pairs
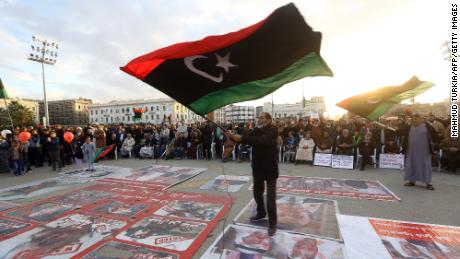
{"points": [[239, 66], [374, 104]]}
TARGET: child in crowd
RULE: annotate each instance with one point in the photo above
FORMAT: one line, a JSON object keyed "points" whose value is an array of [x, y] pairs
{"points": [[89, 151]]}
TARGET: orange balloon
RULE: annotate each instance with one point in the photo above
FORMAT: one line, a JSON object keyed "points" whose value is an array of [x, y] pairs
{"points": [[68, 136], [24, 136]]}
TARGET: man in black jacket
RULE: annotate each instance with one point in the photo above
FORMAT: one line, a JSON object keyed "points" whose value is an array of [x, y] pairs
{"points": [[264, 166]]}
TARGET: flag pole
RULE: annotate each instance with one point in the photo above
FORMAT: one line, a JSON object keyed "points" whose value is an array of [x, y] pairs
{"points": [[9, 114]]}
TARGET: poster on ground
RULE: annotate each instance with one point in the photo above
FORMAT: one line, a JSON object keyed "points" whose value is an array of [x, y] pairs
{"points": [[61, 238], [248, 242], [173, 234], [299, 214], [37, 188], [160, 177], [350, 188], [224, 183], [4, 205], [11, 227], [42, 211], [99, 172], [195, 210], [398, 239], [118, 250]]}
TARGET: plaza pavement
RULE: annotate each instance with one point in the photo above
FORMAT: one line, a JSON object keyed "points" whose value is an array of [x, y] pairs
{"points": [[441, 206]]}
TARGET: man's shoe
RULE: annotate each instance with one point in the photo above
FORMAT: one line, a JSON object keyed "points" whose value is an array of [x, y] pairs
{"points": [[271, 230], [257, 217]]}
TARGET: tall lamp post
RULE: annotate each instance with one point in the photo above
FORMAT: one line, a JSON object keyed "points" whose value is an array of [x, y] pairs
{"points": [[44, 52]]}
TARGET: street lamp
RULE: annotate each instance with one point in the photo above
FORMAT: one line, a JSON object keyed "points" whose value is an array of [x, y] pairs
{"points": [[44, 52]]}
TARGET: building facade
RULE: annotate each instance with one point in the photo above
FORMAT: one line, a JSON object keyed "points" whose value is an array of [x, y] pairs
{"points": [[67, 112], [155, 111], [315, 107], [32, 105], [239, 114]]}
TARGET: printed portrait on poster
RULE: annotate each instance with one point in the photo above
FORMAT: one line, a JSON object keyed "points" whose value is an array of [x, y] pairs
{"points": [[61, 238], [190, 210], [117, 250]]}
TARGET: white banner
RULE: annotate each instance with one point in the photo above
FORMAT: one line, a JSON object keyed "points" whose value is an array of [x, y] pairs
{"points": [[322, 159], [342, 162], [391, 161]]}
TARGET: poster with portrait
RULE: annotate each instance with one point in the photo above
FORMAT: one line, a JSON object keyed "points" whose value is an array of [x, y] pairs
{"points": [[173, 234], [82, 197], [300, 246], [118, 250], [159, 176], [195, 210], [120, 207], [248, 242], [43, 211], [4, 205], [99, 172], [33, 189], [11, 227], [224, 183], [415, 240], [299, 214], [398, 239], [349, 188], [61, 238]]}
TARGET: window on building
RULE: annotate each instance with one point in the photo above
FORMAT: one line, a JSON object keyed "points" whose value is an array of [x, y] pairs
{"points": [[122, 110], [111, 119], [95, 119], [129, 118], [151, 108], [106, 119], [78, 107], [158, 108], [164, 108], [158, 117], [91, 112], [177, 116], [151, 116], [95, 112]]}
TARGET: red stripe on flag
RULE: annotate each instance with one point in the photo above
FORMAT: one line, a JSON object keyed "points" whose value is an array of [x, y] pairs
{"points": [[141, 66]]}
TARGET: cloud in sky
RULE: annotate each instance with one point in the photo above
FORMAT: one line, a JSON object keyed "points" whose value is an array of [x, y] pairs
{"points": [[367, 43]]}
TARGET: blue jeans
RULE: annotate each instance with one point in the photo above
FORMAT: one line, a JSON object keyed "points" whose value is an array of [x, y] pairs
{"points": [[18, 167]]}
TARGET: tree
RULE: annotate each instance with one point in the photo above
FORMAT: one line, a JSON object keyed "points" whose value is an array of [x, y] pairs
{"points": [[21, 115]]}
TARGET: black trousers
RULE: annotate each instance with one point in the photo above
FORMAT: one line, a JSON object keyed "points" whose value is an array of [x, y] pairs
{"points": [[259, 188]]}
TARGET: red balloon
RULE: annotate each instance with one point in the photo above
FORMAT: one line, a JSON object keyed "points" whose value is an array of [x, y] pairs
{"points": [[68, 136], [24, 136]]}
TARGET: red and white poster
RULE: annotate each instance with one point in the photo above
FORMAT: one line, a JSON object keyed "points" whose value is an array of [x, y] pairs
{"points": [[195, 210], [42, 211], [173, 234], [11, 227], [359, 189], [117, 250], [33, 189], [160, 177], [224, 183], [299, 214], [380, 238], [61, 238], [4, 205], [99, 172], [248, 242]]}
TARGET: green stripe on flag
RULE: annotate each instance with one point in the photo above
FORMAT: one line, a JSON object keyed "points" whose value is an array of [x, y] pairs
{"points": [[387, 104], [310, 65]]}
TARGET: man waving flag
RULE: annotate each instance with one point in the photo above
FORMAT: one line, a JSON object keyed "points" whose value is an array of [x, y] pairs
{"points": [[244, 65]]}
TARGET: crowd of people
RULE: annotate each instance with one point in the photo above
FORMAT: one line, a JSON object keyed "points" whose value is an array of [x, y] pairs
{"points": [[298, 140]]}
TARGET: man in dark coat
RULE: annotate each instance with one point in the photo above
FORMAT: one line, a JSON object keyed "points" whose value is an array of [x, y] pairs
{"points": [[264, 166]]}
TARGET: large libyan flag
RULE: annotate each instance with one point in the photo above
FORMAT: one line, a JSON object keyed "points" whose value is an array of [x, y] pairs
{"points": [[374, 104], [243, 65]]}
